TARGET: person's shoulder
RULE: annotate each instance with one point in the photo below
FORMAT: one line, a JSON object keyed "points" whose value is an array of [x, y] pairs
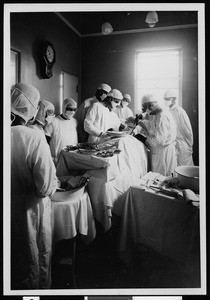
{"points": [[29, 133], [89, 101], [57, 120], [95, 106], [180, 109]]}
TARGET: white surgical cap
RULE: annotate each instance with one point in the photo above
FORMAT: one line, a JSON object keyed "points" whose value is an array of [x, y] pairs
{"points": [[127, 97], [105, 87], [24, 100], [44, 106], [115, 94], [70, 102], [148, 98], [170, 94]]}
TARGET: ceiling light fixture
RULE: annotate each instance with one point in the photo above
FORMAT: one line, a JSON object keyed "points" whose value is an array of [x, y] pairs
{"points": [[151, 18], [106, 28]]}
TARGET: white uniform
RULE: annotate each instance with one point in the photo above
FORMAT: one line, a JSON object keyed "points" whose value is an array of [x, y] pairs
{"points": [[123, 113], [114, 121], [99, 119], [161, 138], [62, 132], [36, 127], [33, 180], [80, 117], [184, 140]]}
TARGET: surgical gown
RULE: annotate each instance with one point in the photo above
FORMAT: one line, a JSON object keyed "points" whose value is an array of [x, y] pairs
{"points": [[62, 133], [99, 119], [33, 180], [123, 113], [80, 117], [184, 140], [161, 138]]}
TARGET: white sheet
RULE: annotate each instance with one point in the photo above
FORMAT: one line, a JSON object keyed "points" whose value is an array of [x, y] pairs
{"points": [[165, 224], [72, 217], [108, 186]]}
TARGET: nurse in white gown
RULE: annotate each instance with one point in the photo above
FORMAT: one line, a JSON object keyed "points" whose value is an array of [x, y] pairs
{"points": [[160, 131], [100, 94], [33, 180], [123, 111], [63, 129], [184, 140], [101, 117], [44, 116]]}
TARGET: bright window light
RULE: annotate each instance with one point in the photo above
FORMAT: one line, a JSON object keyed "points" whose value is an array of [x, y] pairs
{"points": [[157, 71]]}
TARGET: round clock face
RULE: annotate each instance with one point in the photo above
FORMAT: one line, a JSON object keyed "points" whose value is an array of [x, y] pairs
{"points": [[50, 53]]}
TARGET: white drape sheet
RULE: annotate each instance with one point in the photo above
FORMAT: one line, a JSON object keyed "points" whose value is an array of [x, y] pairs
{"points": [[72, 217], [163, 223], [109, 184]]}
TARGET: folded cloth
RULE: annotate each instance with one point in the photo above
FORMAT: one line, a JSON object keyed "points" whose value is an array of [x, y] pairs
{"points": [[189, 195]]}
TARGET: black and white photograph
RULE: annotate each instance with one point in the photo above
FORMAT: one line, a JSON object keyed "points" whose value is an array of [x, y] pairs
{"points": [[104, 150]]}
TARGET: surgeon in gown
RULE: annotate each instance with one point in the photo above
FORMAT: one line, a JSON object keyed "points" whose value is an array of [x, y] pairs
{"points": [[123, 111], [62, 131], [44, 116], [33, 180], [101, 117], [101, 92], [160, 133], [184, 140]]}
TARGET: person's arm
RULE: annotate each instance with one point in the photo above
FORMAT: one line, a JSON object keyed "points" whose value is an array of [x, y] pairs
{"points": [[43, 168]]}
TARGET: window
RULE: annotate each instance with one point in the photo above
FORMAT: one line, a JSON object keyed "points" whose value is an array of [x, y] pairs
{"points": [[155, 72]]}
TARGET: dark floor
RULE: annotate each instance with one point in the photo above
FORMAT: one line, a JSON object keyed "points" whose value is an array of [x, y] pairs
{"points": [[98, 266]]}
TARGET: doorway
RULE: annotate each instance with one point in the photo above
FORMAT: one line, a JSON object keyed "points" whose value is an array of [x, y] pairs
{"points": [[69, 87]]}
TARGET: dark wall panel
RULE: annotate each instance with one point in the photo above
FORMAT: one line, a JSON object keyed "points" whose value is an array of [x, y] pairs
{"points": [[28, 31]]}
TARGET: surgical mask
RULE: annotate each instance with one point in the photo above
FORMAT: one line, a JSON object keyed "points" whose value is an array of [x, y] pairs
{"points": [[168, 103], [69, 114], [49, 119], [114, 104], [124, 103], [31, 121], [103, 96]]}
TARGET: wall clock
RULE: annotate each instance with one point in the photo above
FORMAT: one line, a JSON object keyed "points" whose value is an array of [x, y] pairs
{"points": [[48, 59]]}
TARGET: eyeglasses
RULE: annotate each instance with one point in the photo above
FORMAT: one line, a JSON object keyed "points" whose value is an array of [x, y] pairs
{"points": [[116, 100], [70, 109]]}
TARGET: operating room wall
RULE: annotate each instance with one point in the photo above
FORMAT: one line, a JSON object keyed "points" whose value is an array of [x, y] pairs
{"points": [[28, 31], [111, 59]]}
